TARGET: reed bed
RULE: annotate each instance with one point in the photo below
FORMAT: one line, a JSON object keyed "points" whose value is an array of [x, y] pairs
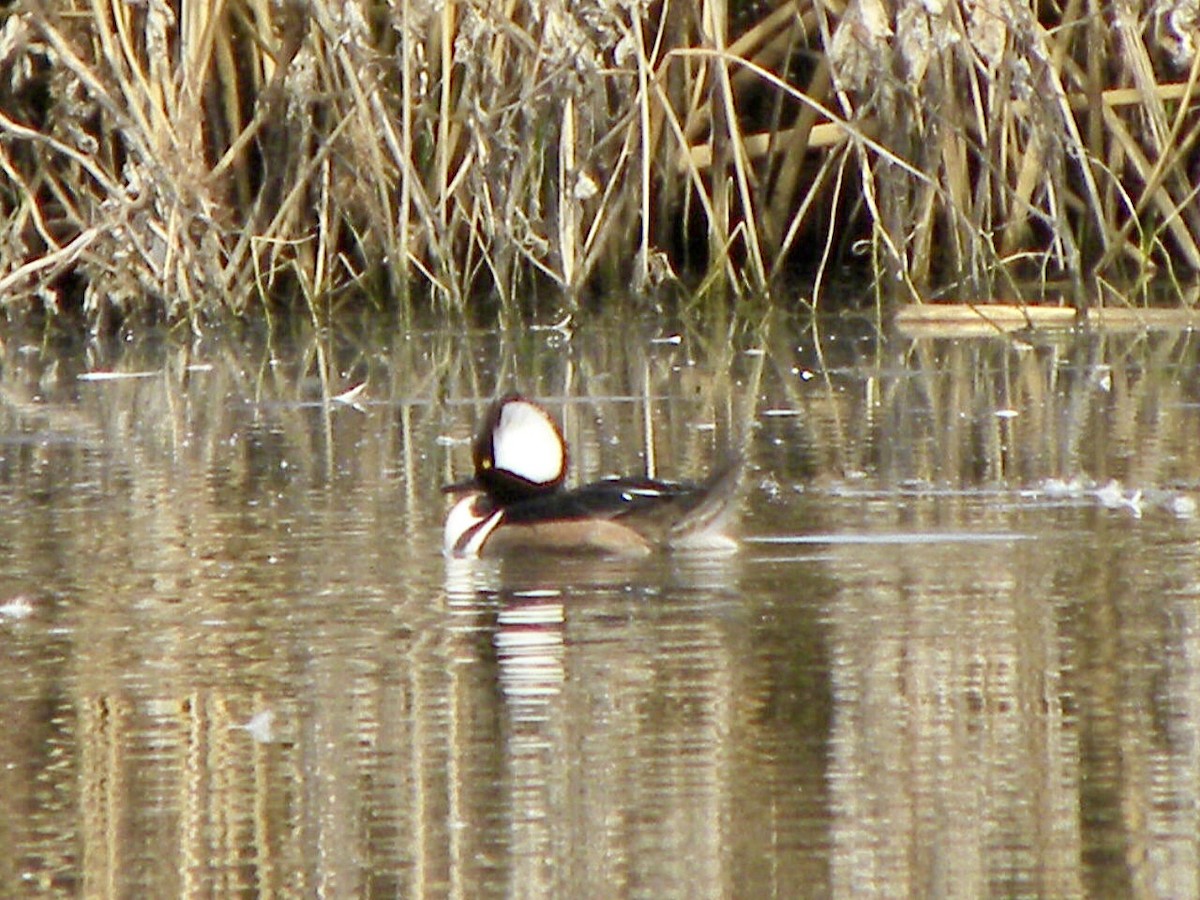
{"points": [[190, 158]]}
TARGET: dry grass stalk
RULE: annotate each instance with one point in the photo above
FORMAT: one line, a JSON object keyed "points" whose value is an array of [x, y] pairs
{"points": [[196, 157]]}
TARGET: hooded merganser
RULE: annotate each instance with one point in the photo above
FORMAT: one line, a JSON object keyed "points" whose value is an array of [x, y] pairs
{"points": [[516, 500]]}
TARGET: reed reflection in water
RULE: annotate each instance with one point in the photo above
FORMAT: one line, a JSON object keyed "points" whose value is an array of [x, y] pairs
{"points": [[956, 655]]}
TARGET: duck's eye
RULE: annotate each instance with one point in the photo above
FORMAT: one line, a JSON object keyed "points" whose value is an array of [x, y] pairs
{"points": [[486, 464]]}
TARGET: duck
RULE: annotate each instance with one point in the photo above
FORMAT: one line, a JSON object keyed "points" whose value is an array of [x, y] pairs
{"points": [[517, 502]]}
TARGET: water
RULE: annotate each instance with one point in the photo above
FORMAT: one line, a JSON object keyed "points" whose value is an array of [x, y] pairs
{"points": [[958, 653]]}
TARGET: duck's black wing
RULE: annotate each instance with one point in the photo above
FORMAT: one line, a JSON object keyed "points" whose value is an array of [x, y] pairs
{"points": [[664, 511], [607, 499]]}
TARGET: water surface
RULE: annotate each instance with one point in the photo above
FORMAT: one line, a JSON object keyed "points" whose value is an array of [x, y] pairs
{"points": [[958, 653]]}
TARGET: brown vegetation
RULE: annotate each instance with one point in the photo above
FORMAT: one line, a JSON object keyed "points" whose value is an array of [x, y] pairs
{"points": [[202, 156]]}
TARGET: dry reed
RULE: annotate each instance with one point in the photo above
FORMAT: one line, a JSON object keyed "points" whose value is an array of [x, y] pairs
{"points": [[188, 158]]}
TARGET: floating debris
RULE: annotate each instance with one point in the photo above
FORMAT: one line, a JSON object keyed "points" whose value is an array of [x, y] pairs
{"points": [[1058, 489], [771, 488], [116, 376], [1182, 506], [18, 607], [350, 396], [1113, 496], [562, 326], [261, 727]]}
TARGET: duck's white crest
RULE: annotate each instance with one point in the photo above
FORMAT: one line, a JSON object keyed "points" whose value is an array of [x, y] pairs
{"points": [[526, 443]]}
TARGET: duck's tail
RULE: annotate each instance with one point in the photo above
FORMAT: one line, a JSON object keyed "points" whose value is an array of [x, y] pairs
{"points": [[703, 527]]}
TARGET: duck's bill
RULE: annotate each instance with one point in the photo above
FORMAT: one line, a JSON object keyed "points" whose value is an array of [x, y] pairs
{"points": [[461, 487]]}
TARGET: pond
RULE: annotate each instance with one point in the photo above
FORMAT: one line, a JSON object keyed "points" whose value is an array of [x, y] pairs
{"points": [[956, 654]]}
